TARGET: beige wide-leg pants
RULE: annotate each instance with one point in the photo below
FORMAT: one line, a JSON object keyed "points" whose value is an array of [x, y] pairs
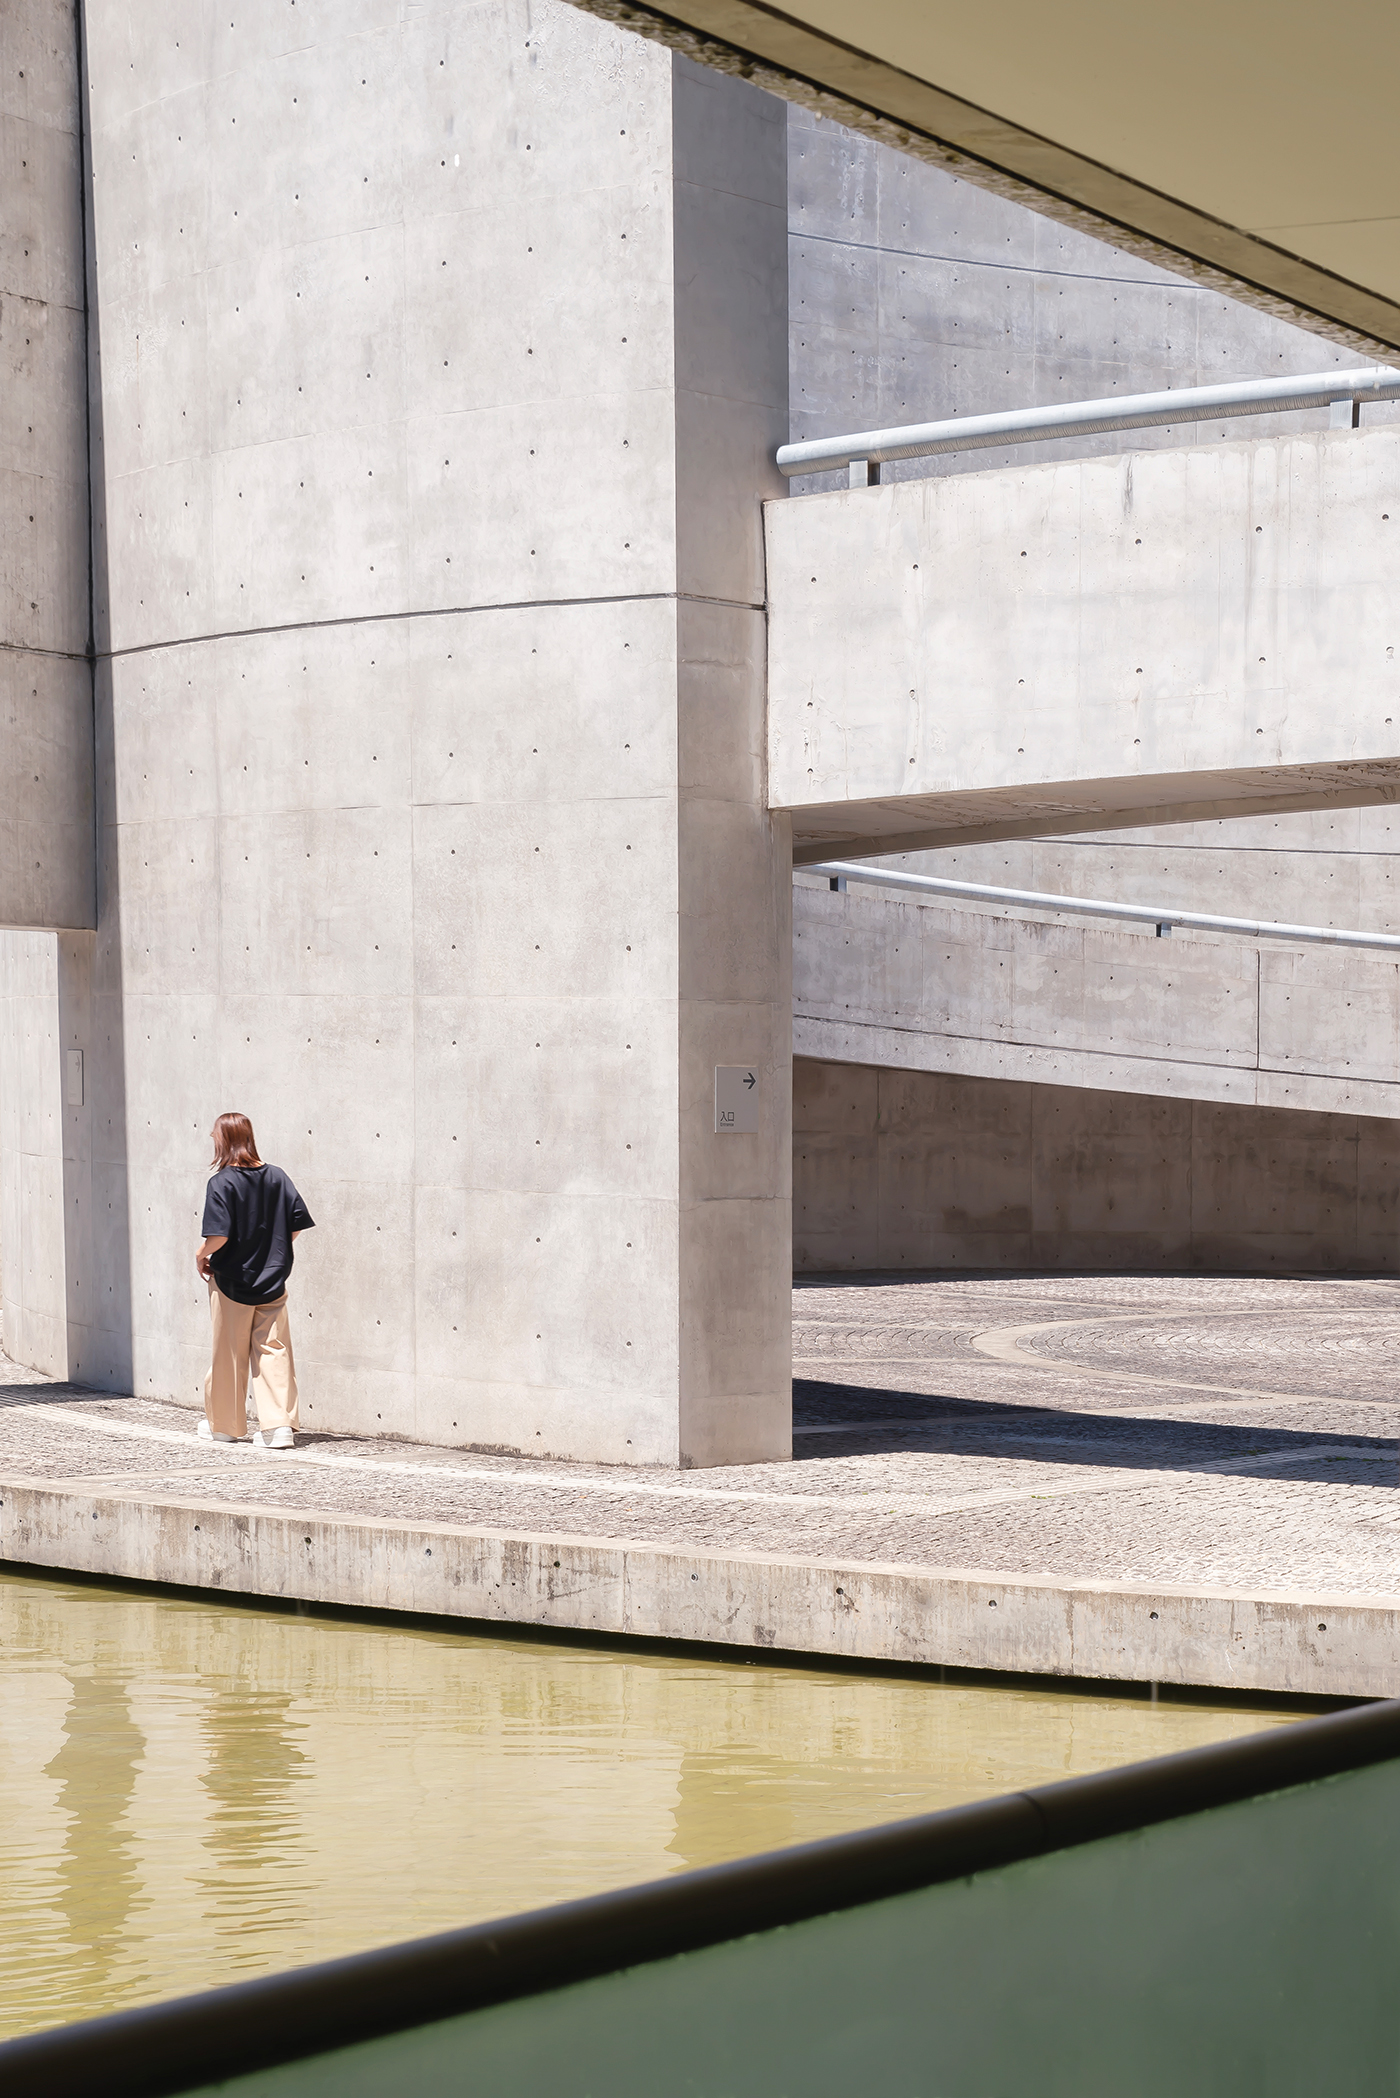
{"points": [[256, 1337]]}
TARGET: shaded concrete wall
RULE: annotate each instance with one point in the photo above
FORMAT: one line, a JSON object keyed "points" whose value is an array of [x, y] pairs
{"points": [[441, 363], [46, 820], [881, 979], [916, 1169]]}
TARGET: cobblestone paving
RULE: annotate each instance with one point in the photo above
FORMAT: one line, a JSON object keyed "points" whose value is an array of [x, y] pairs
{"points": [[1183, 1431]]}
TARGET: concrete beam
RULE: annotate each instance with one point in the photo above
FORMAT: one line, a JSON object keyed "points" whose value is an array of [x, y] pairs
{"points": [[1331, 1645], [1158, 637]]}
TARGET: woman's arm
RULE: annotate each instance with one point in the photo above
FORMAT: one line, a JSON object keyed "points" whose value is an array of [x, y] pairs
{"points": [[208, 1247]]}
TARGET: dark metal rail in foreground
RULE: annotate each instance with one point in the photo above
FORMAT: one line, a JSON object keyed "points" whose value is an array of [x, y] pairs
{"points": [[210, 2038]]}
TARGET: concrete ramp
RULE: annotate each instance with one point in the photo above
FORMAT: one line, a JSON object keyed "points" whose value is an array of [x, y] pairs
{"points": [[1156, 637]]}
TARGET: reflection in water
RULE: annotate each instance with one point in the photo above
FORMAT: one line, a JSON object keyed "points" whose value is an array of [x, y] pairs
{"points": [[97, 1884], [255, 1880], [192, 1792]]}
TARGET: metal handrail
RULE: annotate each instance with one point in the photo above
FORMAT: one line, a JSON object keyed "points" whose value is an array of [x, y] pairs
{"points": [[869, 449], [843, 871]]}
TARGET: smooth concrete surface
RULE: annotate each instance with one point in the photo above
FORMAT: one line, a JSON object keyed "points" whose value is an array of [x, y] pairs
{"points": [[431, 709], [1170, 634], [342, 587], [1272, 170], [998, 993], [918, 1168], [46, 755], [917, 295], [56, 1314], [1334, 867], [913, 1615]]}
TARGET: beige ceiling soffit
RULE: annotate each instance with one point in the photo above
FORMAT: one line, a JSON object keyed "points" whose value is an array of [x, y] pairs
{"points": [[896, 109], [855, 844]]}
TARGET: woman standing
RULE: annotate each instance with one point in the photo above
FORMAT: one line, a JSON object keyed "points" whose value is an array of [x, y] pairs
{"points": [[252, 1213]]}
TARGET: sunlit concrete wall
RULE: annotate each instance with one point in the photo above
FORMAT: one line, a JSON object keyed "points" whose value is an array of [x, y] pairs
{"points": [[441, 364], [1079, 1001], [916, 296], [915, 1169], [61, 1215], [46, 818], [47, 1282], [1194, 633]]}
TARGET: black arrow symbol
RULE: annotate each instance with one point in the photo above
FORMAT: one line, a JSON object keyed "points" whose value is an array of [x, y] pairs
{"points": [[751, 1080]]}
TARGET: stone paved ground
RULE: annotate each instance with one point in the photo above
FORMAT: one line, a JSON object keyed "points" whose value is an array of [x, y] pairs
{"points": [[1191, 1431]]}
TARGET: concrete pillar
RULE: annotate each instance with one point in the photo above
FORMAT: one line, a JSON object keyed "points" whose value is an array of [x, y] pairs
{"points": [[441, 367]]}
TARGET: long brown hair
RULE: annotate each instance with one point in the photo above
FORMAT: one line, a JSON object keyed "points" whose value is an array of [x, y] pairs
{"points": [[234, 1143]]}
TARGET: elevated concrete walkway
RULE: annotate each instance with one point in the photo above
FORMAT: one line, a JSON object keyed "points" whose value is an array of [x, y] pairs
{"points": [[1178, 1480], [912, 985], [1156, 637]]}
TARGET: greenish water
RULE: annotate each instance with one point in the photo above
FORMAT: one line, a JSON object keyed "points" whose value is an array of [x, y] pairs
{"points": [[192, 1793]]}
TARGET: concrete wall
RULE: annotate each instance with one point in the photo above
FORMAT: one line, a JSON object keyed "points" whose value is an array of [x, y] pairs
{"points": [[47, 1295], [1176, 633], [917, 296], [57, 1296], [992, 993], [405, 582], [918, 1169], [46, 821], [441, 363]]}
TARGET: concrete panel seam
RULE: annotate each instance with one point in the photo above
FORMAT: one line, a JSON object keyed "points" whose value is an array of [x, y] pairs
{"points": [[511, 604]]}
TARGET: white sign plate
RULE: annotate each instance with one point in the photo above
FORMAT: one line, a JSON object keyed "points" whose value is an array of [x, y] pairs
{"points": [[736, 1100]]}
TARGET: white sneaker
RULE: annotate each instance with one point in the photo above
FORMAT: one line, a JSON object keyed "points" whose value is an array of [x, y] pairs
{"points": [[274, 1439], [208, 1434]]}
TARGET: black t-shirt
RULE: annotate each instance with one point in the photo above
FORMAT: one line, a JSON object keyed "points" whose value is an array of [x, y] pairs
{"points": [[256, 1209]]}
